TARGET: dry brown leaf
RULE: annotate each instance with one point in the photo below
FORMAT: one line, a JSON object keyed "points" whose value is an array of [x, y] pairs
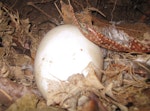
{"points": [[109, 92], [2, 52], [26, 103], [92, 79], [7, 41], [4, 69], [15, 90], [66, 13]]}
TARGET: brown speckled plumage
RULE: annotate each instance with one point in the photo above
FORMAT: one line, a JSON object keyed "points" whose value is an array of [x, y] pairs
{"points": [[105, 42]]}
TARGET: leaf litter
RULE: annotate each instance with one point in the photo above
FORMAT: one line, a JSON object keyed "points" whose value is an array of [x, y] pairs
{"points": [[124, 80]]}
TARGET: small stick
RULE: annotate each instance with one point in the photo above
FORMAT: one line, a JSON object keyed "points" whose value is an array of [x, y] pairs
{"points": [[58, 10], [54, 21], [94, 9], [113, 10], [8, 96]]}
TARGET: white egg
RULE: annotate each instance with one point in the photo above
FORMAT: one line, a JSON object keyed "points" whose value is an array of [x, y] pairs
{"points": [[64, 51]]}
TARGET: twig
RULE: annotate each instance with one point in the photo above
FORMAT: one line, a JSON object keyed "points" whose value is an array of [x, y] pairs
{"points": [[54, 21], [77, 4], [94, 9], [44, 1], [8, 96], [113, 10], [87, 2], [14, 4], [140, 64], [58, 10]]}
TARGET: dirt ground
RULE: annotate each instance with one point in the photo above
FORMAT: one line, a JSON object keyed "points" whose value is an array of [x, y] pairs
{"points": [[23, 23]]}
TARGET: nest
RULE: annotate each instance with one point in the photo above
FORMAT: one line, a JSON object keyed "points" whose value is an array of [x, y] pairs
{"points": [[124, 82]]}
